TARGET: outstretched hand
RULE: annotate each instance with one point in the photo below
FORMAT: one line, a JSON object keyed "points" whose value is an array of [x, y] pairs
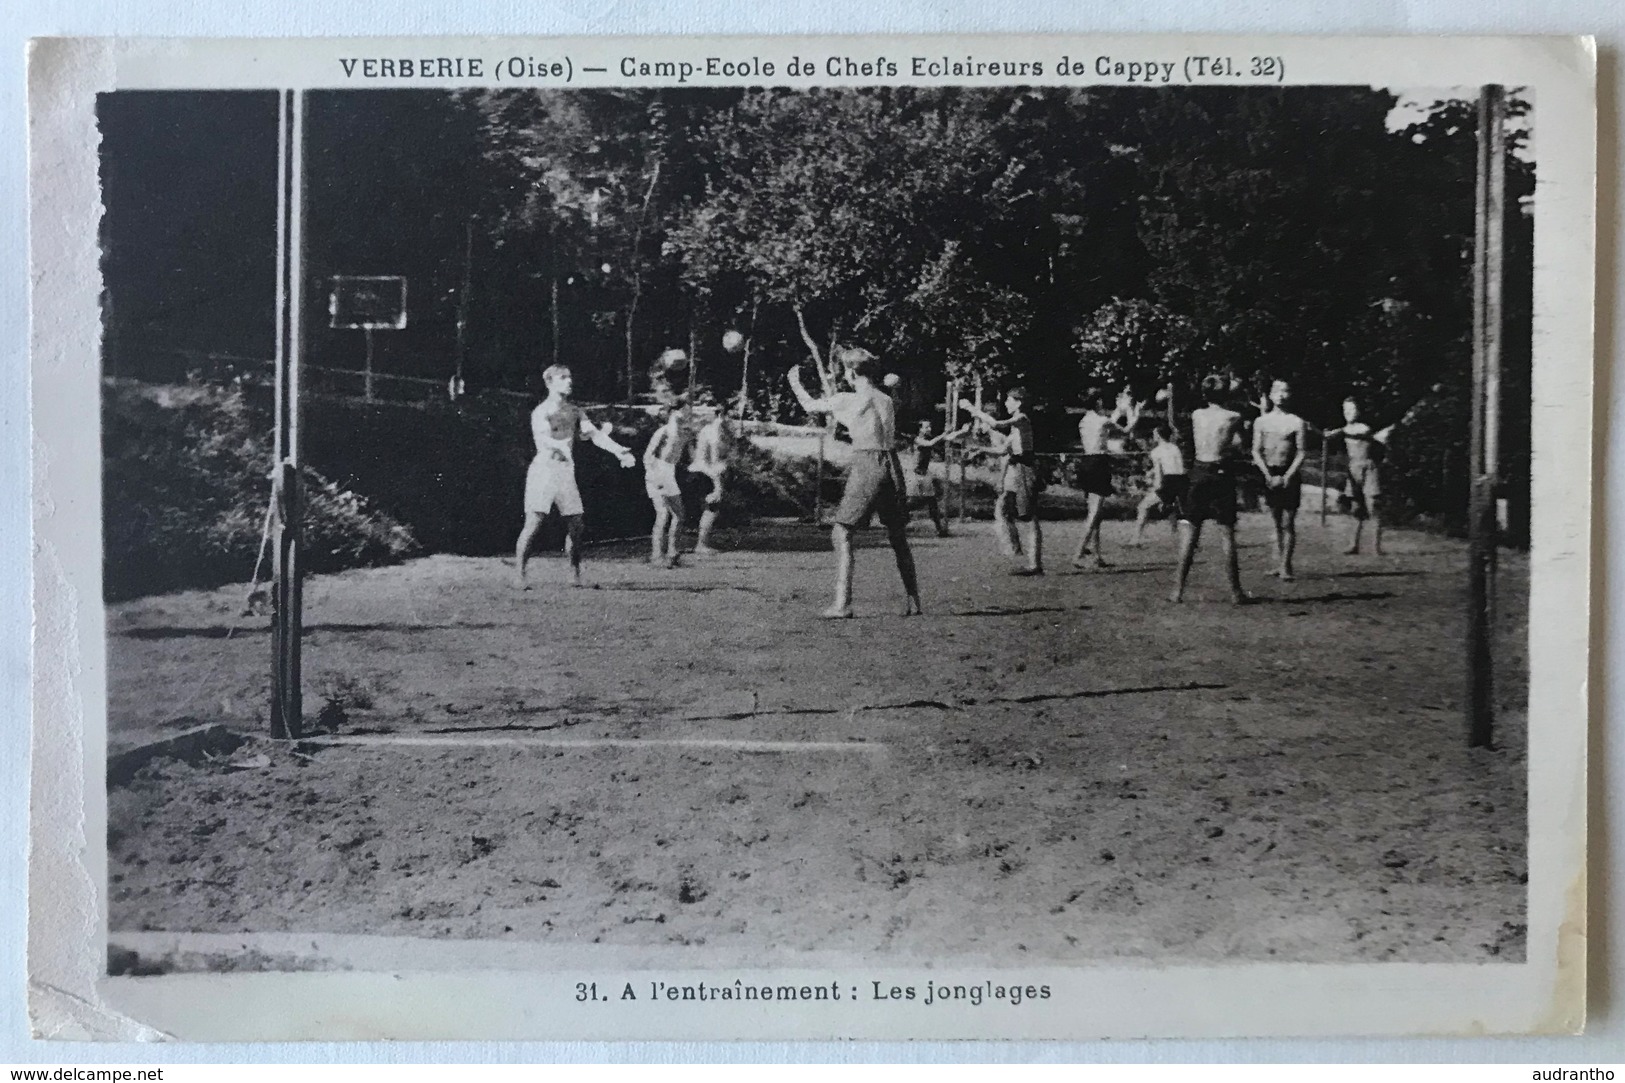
{"points": [[627, 460]]}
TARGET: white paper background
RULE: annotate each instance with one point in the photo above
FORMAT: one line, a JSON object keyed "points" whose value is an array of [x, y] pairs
{"points": [[25, 18]]}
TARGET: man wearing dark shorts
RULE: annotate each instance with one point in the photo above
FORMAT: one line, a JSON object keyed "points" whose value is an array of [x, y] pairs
{"points": [[1019, 486], [1212, 488], [1279, 444], [1095, 428], [874, 483]]}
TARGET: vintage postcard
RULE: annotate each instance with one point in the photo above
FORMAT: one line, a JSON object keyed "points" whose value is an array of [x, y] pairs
{"points": [[1004, 537]]}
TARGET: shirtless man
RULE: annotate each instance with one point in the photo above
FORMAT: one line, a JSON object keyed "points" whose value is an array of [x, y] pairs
{"points": [[1168, 483], [874, 482], [1018, 486], [1214, 429], [666, 449], [713, 448], [1095, 472], [1366, 449], [925, 487], [550, 483], [1279, 445]]}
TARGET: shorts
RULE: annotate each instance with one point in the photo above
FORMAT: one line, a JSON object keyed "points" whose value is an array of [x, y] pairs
{"points": [[1212, 496], [1364, 486], [1284, 497], [660, 482], [1019, 494], [1095, 475], [874, 486], [551, 484], [924, 487], [1173, 492]]}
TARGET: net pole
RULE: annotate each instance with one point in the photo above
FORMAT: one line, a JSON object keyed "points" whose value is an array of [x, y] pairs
{"points": [[287, 597], [462, 309], [278, 525], [1324, 445], [1490, 191], [293, 707]]}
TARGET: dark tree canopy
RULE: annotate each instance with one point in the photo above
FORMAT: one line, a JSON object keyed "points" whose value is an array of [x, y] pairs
{"points": [[1067, 238]]}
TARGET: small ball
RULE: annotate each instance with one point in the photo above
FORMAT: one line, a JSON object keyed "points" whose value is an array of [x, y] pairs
{"points": [[732, 341], [892, 379]]}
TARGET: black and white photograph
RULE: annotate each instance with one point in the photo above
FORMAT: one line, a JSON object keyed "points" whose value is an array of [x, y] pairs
{"points": [[991, 526]]}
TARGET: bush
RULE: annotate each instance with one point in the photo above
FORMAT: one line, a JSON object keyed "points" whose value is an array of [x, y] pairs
{"points": [[184, 491], [763, 484]]}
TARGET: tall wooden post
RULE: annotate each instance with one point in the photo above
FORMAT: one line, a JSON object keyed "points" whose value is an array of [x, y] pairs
{"points": [[462, 311], [287, 595], [1325, 444], [553, 308], [1484, 447]]}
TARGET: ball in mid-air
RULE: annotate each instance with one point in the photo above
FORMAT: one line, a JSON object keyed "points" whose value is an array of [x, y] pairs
{"points": [[892, 379], [732, 341], [1162, 394]]}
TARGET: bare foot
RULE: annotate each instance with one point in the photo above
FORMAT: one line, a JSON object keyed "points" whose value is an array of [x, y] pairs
{"points": [[1176, 597], [520, 584], [911, 608], [1101, 563], [1027, 571], [837, 612], [671, 561], [1273, 573], [706, 551], [1287, 577], [1242, 599], [1352, 551]]}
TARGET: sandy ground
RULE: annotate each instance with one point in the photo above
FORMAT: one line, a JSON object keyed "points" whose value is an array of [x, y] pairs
{"points": [[1066, 769]]}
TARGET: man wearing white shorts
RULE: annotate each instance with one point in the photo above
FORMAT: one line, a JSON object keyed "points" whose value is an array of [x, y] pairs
{"points": [[550, 483]]}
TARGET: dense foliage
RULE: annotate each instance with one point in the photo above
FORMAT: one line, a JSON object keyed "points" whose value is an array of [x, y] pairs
{"points": [[185, 486], [1066, 238]]}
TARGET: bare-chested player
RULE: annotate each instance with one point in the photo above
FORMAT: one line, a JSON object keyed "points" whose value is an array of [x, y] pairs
{"points": [[713, 449], [1094, 472], [1214, 430], [667, 447], [1168, 482], [874, 482], [1018, 487], [550, 483], [1279, 445], [925, 488], [1366, 450]]}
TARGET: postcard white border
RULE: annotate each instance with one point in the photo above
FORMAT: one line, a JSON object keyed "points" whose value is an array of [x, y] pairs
{"points": [[71, 998]]}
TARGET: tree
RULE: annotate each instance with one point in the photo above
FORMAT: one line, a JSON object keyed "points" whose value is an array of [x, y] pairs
{"points": [[1133, 343], [851, 209]]}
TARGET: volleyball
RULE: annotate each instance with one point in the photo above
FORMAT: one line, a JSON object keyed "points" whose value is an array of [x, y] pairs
{"points": [[732, 341], [892, 379]]}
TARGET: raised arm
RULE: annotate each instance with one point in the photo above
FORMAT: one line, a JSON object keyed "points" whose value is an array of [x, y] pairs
{"points": [[808, 403], [988, 421], [943, 438]]}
